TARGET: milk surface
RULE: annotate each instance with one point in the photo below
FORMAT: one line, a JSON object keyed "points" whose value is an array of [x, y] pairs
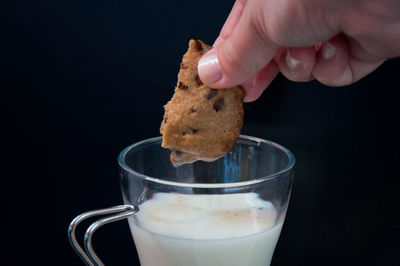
{"points": [[205, 230]]}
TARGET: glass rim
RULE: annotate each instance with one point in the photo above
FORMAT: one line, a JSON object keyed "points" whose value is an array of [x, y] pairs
{"points": [[286, 169]]}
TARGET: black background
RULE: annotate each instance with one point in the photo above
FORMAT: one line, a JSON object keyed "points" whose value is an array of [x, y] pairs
{"points": [[81, 80]]}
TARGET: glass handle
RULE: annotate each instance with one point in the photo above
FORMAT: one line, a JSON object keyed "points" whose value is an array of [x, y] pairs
{"points": [[89, 257]]}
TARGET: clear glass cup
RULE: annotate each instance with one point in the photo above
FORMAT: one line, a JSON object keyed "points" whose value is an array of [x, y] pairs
{"points": [[226, 212]]}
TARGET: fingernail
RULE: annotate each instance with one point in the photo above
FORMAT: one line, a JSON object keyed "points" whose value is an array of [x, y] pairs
{"points": [[346, 78], [293, 63], [208, 67], [328, 50]]}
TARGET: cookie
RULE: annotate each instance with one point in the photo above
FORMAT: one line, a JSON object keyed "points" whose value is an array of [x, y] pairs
{"points": [[200, 123]]}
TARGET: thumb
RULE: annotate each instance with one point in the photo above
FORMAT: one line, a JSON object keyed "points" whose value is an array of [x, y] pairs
{"points": [[243, 54]]}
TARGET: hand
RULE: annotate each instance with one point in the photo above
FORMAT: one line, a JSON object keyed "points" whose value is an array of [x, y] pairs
{"points": [[336, 42]]}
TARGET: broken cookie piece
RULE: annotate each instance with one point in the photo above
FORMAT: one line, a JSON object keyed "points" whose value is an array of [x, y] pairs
{"points": [[200, 123]]}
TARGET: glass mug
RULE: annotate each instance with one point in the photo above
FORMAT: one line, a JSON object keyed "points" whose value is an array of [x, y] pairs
{"points": [[226, 212]]}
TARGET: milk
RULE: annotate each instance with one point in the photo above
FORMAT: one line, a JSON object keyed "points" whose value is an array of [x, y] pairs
{"points": [[205, 230]]}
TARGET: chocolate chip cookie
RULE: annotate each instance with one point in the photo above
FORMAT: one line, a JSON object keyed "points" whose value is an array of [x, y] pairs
{"points": [[200, 123]]}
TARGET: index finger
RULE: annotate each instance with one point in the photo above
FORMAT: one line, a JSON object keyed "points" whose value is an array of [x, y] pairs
{"points": [[231, 21]]}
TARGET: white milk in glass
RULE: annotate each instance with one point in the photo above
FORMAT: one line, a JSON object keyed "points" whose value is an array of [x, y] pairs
{"points": [[206, 230]]}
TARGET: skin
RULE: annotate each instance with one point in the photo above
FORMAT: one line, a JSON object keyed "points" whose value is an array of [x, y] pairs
{"points": [[336, 42]]}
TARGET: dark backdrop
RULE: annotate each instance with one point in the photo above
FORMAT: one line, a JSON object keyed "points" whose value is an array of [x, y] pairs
{"points": [[81, 80]]}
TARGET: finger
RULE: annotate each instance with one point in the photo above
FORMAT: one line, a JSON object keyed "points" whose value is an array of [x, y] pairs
{"points": [[336, 67], [231, 21], [254, 87], [362, 69], [297, 63], [241, 56], [332, 66]]}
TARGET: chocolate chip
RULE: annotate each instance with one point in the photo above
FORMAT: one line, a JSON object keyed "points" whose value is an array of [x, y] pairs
{"points": [[192, 110], [182, 86], [183, 66], [194, 131], [212, 93], [199, 47], [198, 80], [218, 104], [178, 152], [165, 119]]}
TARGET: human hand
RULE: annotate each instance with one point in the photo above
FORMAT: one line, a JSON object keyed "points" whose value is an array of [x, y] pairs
{"points": [[336, 42]]}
